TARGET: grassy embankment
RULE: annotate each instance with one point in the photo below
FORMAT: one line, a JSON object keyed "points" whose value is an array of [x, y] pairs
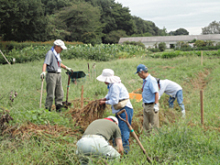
{"points": [[178, 141]]}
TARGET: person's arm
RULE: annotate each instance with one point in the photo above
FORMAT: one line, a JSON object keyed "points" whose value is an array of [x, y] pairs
{"points": [[113, 95], [103, 100], [65, 67], [44, 67], [119, 145], [154, 89], [156, 97], [163, 85]]}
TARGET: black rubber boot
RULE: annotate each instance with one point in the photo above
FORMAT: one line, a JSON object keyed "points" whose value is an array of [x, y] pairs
{"points": [[48, 109], [58, 108]]}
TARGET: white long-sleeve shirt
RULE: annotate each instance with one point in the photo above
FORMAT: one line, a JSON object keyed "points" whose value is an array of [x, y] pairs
{"points": [[169, 87], [117, 91]]}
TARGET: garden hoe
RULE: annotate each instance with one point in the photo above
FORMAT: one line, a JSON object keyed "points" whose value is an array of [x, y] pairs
{"points": [[133, 133], [73, 76], [66, 104], [41, 93]]}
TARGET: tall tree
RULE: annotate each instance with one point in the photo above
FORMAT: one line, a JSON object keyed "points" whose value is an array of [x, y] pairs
{"points": [[180, 31], [213, 28], [114, 36], [81, 20], [54, 6], [114, 17], [23, 20], [146, 28]]}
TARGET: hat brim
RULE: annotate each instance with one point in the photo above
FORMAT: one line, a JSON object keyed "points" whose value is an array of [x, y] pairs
{"points": [[112, 79], [64, 47], [101, 78]]}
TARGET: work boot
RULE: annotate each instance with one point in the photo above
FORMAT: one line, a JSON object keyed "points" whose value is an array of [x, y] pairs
{"points": [[49, 109], [59, 107]]}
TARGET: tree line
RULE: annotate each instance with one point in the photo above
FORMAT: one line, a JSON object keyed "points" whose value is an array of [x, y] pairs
{"points": [[87, 21]]}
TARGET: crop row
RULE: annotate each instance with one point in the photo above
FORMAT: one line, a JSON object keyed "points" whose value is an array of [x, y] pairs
{"points": [[102, 52]]}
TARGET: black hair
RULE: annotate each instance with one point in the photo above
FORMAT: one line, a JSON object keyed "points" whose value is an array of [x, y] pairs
{"points": [[158, 82]]}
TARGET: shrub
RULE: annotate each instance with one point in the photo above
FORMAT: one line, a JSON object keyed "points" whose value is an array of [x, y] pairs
{"points": [[162, 46], [182, 44], [170, 54], [200, 43], [154, 49]]}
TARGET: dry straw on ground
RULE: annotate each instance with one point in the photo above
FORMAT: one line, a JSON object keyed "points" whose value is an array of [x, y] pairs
{"points": [[84, 116]]}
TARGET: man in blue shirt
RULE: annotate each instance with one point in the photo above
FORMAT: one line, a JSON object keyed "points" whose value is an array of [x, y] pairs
{"points": [[150, 95], [118, 98]]}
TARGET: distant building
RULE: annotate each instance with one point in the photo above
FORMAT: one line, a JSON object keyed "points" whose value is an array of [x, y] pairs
{"points": [[170, 41]]}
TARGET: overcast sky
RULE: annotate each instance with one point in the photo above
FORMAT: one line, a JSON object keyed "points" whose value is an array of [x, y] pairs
{"points": [[192, 15]]}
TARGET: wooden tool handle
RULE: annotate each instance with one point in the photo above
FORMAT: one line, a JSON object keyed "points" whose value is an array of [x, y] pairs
{"points": [[120, 112], [41, 93], [67, 92]]}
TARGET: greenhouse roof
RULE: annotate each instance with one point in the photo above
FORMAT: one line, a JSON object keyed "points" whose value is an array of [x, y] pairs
{"points": [[170, 38]]}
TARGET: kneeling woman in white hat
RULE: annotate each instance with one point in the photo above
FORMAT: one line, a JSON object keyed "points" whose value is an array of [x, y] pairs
{"points": [[118, 98]]}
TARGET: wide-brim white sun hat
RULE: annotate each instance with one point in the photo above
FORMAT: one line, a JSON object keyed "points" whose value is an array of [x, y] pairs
{"points": [[113, 118], [60, 43], [108, 76]]}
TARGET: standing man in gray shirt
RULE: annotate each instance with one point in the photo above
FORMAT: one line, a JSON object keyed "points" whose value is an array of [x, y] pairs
{"points": [[53, 65]]}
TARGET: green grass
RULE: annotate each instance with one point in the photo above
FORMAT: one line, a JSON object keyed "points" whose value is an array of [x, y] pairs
{"points": [[181, 142]]}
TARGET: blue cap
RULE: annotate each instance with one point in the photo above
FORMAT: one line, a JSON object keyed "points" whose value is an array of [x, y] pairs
{"points": [[141, 67]]}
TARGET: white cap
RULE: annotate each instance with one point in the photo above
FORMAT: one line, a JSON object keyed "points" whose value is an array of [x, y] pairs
{"points": [[60, 43], [108, 76], [113, 118]]}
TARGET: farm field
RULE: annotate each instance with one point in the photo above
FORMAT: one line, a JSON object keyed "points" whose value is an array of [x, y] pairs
{"points": [[35, 136]]}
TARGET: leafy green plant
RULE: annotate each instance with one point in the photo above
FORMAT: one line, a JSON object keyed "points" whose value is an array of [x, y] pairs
{"points": [[200, 43], [162, 46]]}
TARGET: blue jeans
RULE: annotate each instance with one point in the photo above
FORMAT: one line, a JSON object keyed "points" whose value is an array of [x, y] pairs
{"points": [[179, 96], [125, 132]]}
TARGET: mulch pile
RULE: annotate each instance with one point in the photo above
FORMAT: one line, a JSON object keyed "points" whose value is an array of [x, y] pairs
{"points": [[84, 116]]}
